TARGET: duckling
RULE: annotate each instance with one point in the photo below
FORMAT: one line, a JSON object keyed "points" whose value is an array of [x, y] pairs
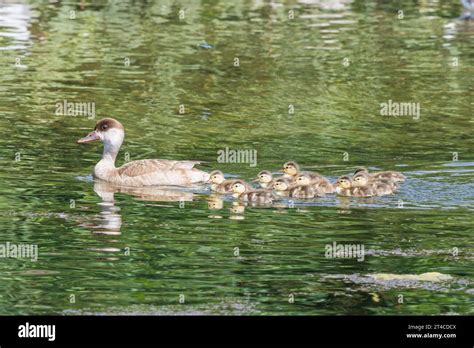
{"points": [[265, 179], [282, 186], [241, 191], [303, 191], [321, 184], [220, 184], [344, 188], [387, 175], [381, 187], [292, 170]]}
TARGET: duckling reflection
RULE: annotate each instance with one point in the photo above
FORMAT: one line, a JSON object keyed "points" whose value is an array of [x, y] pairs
{"points": [[215, 202], [237, 211]]}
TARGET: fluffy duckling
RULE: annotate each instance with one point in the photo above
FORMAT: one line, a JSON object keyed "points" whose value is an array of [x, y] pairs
{"points": [[292, 170], [264, 179], [344, 188], [381, 187], [389, 175], [219, 184], [321, 184], [241, 191], [304, 191], [282, 186]]}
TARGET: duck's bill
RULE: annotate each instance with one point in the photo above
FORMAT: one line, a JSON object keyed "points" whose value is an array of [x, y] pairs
{"points": [[92, 136], [254, 180]]}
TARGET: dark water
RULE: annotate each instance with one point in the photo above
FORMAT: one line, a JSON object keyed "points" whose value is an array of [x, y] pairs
{"points": [[308, 89]]}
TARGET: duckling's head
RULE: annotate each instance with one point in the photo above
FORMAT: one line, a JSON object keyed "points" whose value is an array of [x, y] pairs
{"points": [[303, 179], [264, 176], [344, 182], [361, 170], [216, 177], [281, 184], [360, 179], [238, 186], [107, 130], [291, 168]]}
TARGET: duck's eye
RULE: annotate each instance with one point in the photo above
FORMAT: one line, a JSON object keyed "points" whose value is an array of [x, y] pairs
{"points": [[104, 127]]}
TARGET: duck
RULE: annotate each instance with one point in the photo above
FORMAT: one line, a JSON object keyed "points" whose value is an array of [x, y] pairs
{"points": [[147, 172], [241, 192], [381, 187], [219, 184], [321, 184], [344, 188], [264, 179], [387, 175]]}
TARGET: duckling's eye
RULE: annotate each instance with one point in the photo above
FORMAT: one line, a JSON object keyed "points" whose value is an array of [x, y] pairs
{"points": [[104, 127]]}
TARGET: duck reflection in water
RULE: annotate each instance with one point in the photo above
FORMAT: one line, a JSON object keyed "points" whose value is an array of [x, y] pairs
{"points": [[110, 218]]}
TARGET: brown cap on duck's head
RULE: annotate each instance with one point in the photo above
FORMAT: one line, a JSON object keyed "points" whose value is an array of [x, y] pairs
{"points": [[107, 130]]}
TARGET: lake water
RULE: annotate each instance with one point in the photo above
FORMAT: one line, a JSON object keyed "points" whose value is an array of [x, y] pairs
{"points": [[306, 85]]}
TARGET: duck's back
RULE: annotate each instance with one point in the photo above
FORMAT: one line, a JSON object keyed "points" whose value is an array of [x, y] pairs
{"points": [[159, 172]]}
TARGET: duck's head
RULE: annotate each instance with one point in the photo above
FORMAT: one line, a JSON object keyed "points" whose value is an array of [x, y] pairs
{"points": [[303, 179], [291, 168], [107, 130], [281, 184], [361, 170], [216, 177], [360, 179], [239, 186], [264, 177], [344, 182]]}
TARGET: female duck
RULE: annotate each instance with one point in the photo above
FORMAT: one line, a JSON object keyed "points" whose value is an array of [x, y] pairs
{"points": [[138, 173]]}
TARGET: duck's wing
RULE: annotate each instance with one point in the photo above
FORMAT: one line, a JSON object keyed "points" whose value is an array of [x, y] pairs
{"points": [[147, 166]]}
